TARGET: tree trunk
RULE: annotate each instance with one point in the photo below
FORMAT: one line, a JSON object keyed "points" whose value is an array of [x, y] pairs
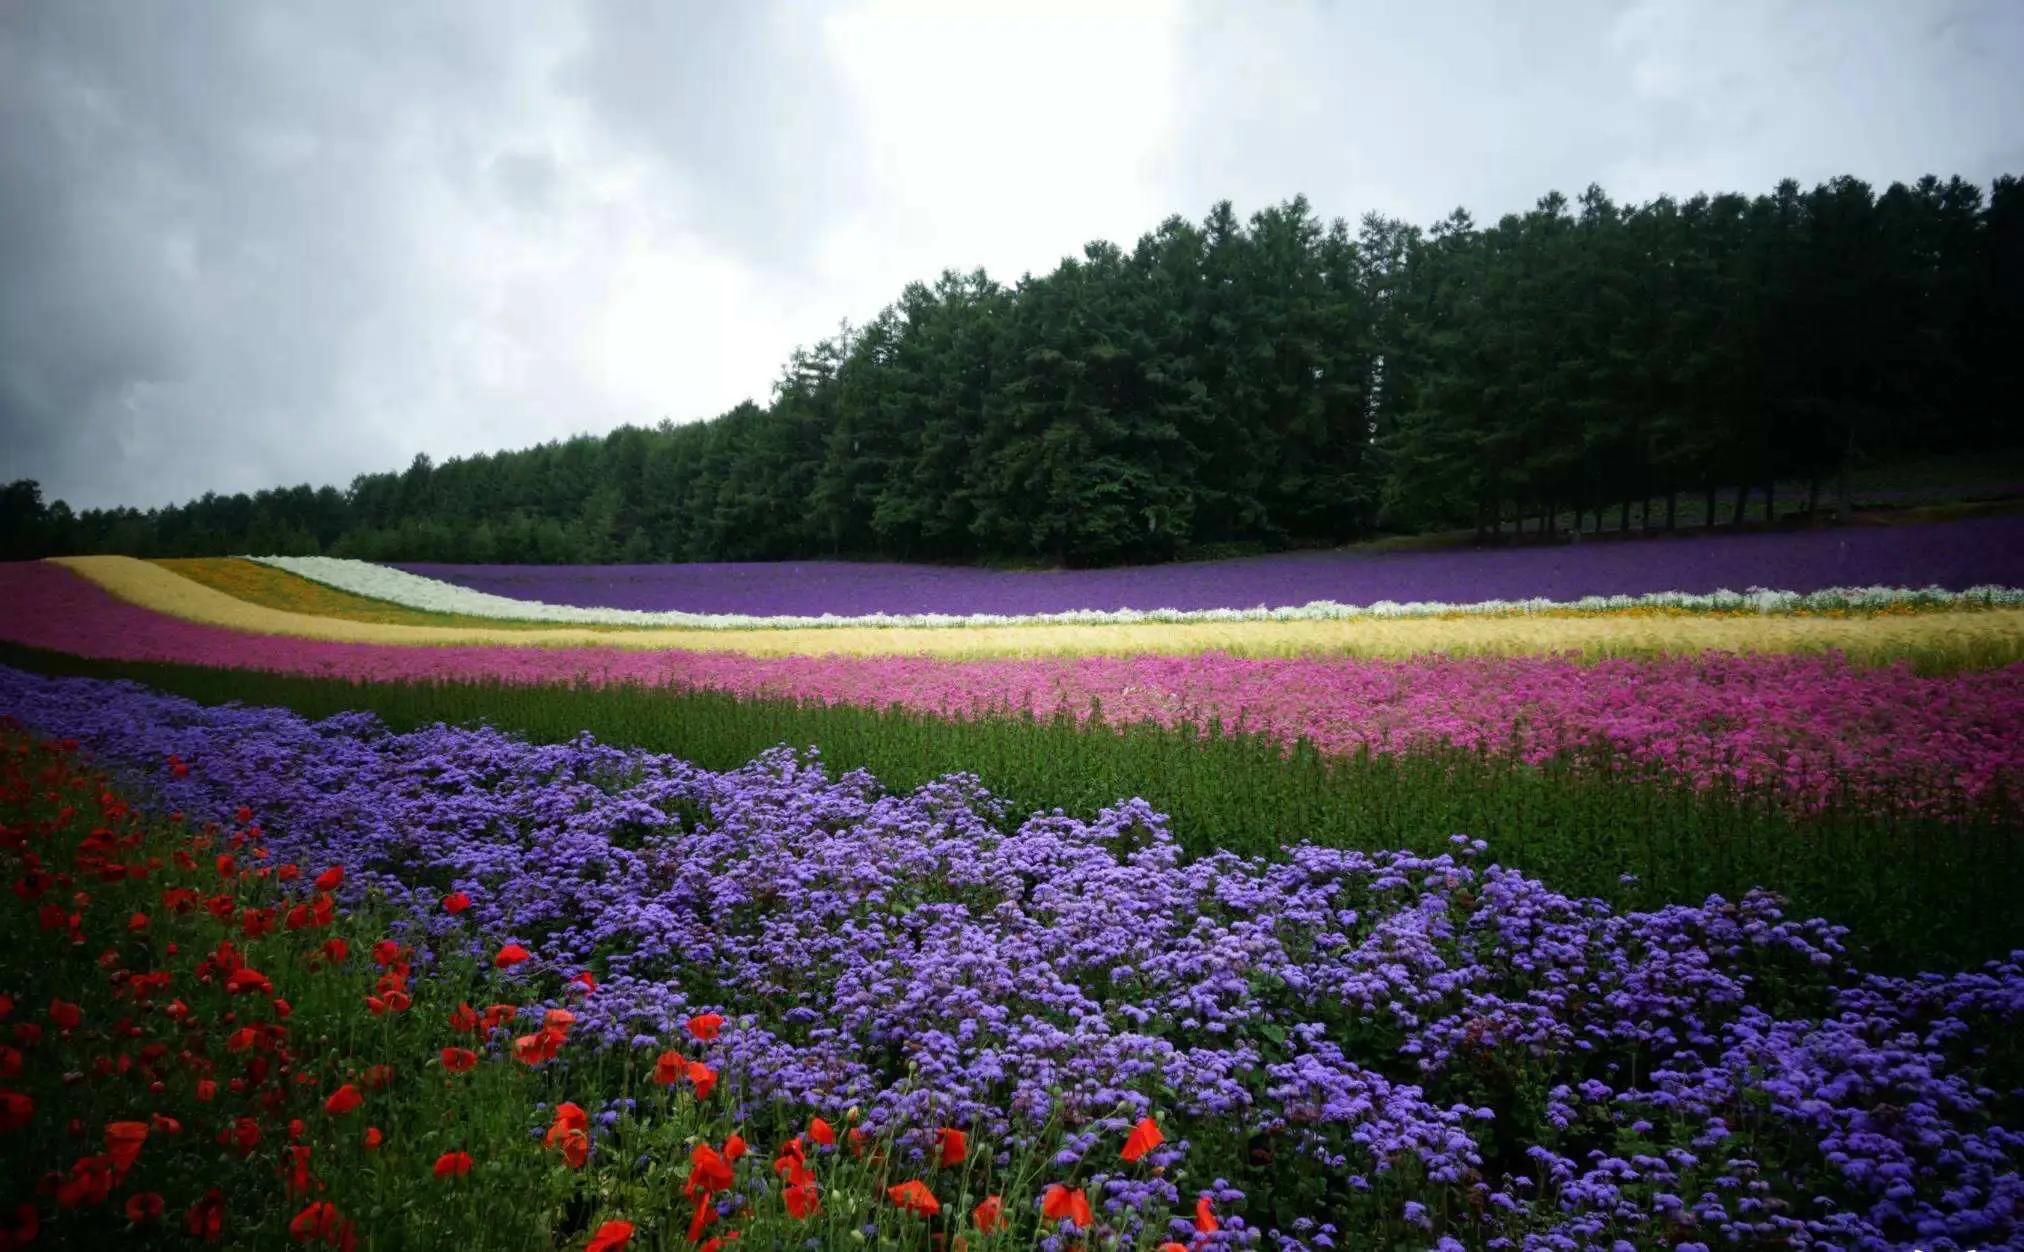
{"points": [[1623, 523], [1671, 498], [1841, 482], [1708, 519], [1813, 499], [1770, 503], [1742, 503]]}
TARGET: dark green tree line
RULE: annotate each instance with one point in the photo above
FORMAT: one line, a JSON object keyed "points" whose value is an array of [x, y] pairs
{"points": [[1277, 382]]}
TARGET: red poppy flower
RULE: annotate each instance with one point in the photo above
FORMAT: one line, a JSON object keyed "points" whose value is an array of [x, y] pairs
{"points": [[914, 1197], [453, 1164], [336, 951], [248, 979], [820, 1132], [206, 1218], [10, 1062], [952, 1146], [571, 1133], [1143, 1138], [1171, 1246], [299, 1178], [464, 1018], [207, 1090], [705, 1026], [1059, 1203], [498, 1015], [378, 1076], [319, 1222], [670, 1068], [66, 1015], [145, 1206], [329, 879], [803, 1200], [700, 1220], [539, 1047], [609, 1237], [587, 980], [89, 1182], [1205, 1215], [990, 1215], [703, 1077], [243, 815], [16, 1111], [459, 1060], [123, 1142], [165, 1124], [510, 955], [373, 1138], [709, 1173], [386, 952], [343, 1100], [456, 902]]}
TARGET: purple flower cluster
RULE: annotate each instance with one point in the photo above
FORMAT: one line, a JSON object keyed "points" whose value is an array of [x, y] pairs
{"points": [[1427, 1045], [1955, 555]]}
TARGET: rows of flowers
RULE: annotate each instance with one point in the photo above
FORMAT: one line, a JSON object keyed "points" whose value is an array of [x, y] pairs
{"points": [[1955, 555], [1813, 728], [1337, 1047], [205, 1047], [1935, 640], [398, 586]]}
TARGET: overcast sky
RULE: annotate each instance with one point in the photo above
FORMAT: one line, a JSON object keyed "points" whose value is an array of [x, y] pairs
{"points": [[245, 245]]}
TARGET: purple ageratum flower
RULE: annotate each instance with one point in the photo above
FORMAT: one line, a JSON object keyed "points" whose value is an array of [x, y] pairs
{"points": [[1046, 982]]}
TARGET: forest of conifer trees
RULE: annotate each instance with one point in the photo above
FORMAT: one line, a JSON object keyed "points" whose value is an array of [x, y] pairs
{"points": [[1234, 385]]}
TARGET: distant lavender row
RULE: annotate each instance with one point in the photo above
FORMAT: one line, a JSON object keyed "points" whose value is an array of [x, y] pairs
{"points": [[1955, 555]]}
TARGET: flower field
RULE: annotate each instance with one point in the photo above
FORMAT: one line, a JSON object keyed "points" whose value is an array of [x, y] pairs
{"points": [[1053, 1031], [1936, 629], [1550, 898]]}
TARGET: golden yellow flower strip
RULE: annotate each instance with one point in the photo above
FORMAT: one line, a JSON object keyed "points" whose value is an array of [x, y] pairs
{"points": [[273, 588], [1934, 640]]}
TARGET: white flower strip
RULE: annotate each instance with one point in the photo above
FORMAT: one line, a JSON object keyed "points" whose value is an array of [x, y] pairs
{"points": [[395, 586]]}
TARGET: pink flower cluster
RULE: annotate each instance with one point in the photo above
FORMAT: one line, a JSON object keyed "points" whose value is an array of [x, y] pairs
{"points": [[1813, 727]]}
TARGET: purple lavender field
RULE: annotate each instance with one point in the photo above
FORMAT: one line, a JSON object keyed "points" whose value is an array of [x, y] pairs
{"points": [[1953, 555]]}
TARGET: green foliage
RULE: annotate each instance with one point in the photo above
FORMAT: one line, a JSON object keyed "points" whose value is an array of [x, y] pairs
{"points": [[1922, 891], [1277, 382]]}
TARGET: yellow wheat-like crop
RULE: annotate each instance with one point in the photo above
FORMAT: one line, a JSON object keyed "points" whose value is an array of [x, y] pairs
{"points": [[1934, 640]]}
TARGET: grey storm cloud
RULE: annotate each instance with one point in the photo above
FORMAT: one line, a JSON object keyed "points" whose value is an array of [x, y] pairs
{"points": [[249, 245]]}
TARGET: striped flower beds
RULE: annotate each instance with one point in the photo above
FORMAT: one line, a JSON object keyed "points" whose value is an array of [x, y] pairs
{"points": [[1812, 727], [396, 586], [1936, 639]]}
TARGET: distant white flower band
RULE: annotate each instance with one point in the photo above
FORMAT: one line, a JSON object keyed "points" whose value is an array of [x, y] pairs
{"points": [[396, 586]]}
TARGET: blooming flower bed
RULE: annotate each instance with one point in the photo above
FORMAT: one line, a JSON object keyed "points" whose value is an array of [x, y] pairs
{"points": [[1812, 727], [398, 586], [1955, 555], [1366, 1047], [1979, 632]]}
